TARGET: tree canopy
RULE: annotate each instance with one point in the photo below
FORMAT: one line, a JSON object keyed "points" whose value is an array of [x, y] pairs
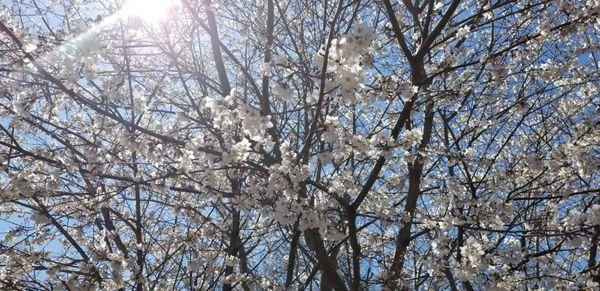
{"points": [[299, 145]]}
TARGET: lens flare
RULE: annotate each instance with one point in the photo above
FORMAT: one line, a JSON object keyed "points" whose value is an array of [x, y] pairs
{"points": [[148, 10]]}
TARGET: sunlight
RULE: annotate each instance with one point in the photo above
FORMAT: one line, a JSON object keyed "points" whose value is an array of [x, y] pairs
{"points": [[148, 10]]}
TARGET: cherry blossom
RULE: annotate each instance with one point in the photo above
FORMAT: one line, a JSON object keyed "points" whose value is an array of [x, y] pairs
{"points": [[299, 145]]}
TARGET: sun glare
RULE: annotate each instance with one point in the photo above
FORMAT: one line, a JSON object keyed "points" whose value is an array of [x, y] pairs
{"points": [[148, 10]]}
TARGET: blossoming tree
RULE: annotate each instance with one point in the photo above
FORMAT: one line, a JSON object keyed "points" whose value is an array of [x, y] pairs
{"points": [[284, 144]]}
